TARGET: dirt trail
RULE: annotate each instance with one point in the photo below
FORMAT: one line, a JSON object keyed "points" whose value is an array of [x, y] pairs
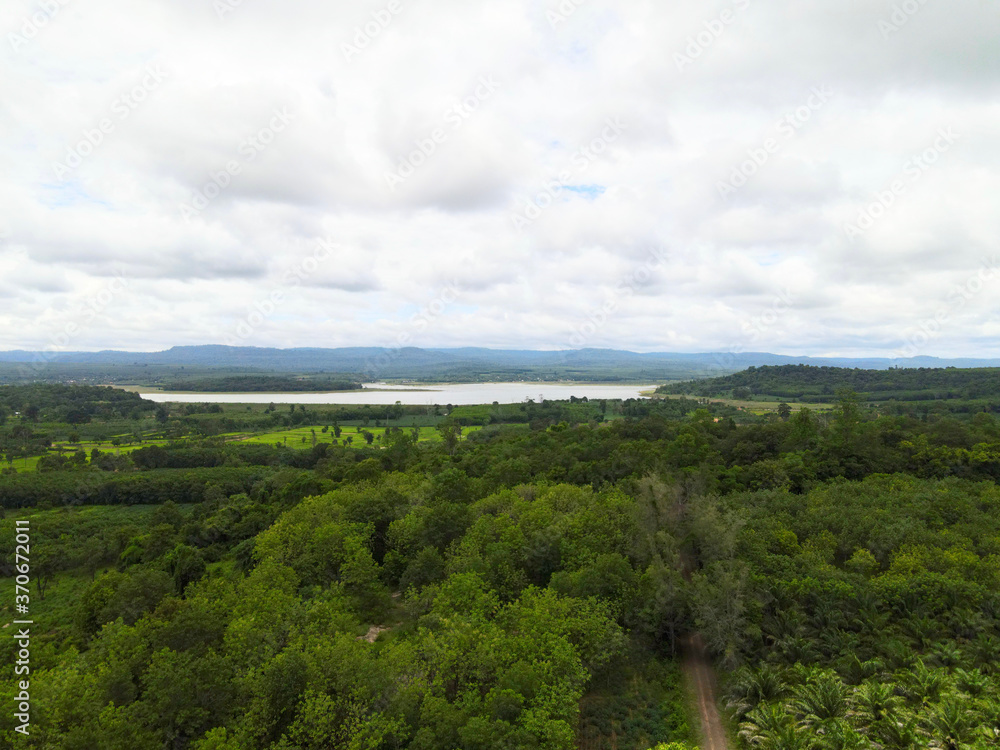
{"points": [[699, 671]]}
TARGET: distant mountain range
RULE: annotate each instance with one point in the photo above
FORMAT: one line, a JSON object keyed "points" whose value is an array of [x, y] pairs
{"points": [[373, 363]]}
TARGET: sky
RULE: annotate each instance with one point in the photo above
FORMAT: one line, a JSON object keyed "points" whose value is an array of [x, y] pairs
{"points": [[793, 176]]}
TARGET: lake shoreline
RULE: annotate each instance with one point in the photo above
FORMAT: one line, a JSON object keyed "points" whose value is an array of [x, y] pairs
{"points": [[457, 394]]}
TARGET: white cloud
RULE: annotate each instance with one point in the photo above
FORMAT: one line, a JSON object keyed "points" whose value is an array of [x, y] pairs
{"points": [[354, 118]]}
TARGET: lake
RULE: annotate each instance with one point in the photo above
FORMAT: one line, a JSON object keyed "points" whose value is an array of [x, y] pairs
{"points": [[457, 394]]}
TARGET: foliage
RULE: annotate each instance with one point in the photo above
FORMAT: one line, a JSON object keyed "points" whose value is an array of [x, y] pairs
{"points": [[262, 384], [529, 585]]}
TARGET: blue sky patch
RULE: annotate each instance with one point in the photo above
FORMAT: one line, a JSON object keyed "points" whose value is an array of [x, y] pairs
{"points": [[590, 192]]}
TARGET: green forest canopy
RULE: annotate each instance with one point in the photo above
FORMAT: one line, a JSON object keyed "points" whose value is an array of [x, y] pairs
{"points": [[822, 384], [528, 586]]}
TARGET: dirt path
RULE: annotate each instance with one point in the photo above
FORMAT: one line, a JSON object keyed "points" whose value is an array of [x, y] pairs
{"points": [[699, 671]]}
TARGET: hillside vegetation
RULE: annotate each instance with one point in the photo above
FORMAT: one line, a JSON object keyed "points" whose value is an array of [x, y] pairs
{"points": [[528, 585], [899, 390], [262, 384]]}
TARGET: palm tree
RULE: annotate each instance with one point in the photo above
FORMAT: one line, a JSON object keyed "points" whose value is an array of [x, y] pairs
{"points": [[924, 630], [836, 641], [896, 654], [985, 652], [947, 655], [828, 615], [973, 682], [873, 702], [869, 617], [900, 734], [753, 686], [857, 671], [842, 736], [770, 727], [792, 649], [786, 621], [922, 684], [951, 723], [965, 623], [822, 702]]}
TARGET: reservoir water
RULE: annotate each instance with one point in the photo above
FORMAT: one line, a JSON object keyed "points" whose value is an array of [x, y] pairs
{"points": [[457, 394]]}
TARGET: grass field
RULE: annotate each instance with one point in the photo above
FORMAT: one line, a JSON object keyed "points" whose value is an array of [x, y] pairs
{"points": [[301, 437], [30, 463], [56, 610], [297, 437], [105, 446], [24, 464], [756, 407]]}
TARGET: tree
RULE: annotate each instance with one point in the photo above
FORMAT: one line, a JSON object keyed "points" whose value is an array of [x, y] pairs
{"points": [[848, 415], [822, 702], [953, 722], [44, 565], [874, 702], [168, 513], [77, 416], [126, 595], [186, 694], [770, 727], [667, 610], [449, 434], [186, 565], [753, 686], [426, 568], [720, 605]]}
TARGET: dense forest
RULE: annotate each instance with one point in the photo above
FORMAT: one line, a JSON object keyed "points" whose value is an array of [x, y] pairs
{"points": [[72, 404], [903, 389], [262, 384], [535, 583]]}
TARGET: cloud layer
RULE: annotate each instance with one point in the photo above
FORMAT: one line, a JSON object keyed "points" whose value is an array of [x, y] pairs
{"points": [[785, 175]]}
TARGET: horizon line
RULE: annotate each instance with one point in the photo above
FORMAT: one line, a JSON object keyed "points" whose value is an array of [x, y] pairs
{"points": [[708, 352]]}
